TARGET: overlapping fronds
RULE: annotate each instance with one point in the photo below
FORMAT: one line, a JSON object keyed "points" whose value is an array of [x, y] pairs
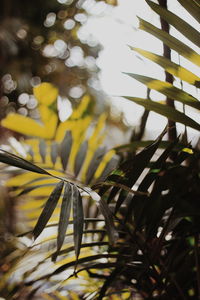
{"points": [[175, 69]]}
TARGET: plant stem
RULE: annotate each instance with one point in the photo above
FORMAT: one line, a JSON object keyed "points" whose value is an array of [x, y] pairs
{"points": [[172, 133]]}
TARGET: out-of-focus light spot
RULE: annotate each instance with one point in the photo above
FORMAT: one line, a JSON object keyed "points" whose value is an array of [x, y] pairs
{"points": [[35, 81], [76, 57], [50, 51], [34, 114], [22, 111], [94, 83], [38, 40], [60, 45], [32, 103], [69, 24], [68, 2], [50, 19], [50, 68], [168, 236], [23, 99], [64, 108], [6, 77], [76, 92], [4, 101], [90, 63], [92, 42], [8, 84], [21, 33], [82, 18], [69, 63]]}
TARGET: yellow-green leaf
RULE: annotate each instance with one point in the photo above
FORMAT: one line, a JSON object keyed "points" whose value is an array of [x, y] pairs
{"points": [[167, 89], [28, 126], [166, 111], [171, 42], [170, 66]]}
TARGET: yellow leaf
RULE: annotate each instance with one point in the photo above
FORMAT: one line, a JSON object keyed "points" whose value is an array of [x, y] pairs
{"points": [[27, 126], [77, 113], [188, 150], [45, 93], [24, 178], [49, 119]]}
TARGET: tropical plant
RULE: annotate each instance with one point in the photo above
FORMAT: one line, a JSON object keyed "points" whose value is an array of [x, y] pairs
{"points": [[174, 72], [69, 156], [144, 241]]}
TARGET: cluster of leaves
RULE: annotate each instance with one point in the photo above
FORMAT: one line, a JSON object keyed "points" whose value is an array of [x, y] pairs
{"points": [[176, 70], [68, 156], [143, 242]]}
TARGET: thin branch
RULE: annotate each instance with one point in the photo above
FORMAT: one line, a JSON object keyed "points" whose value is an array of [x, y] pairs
{"points": [[172, 134]]}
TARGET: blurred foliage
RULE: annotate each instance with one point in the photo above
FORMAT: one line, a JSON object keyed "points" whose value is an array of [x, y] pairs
{"points": [[41, 42]]}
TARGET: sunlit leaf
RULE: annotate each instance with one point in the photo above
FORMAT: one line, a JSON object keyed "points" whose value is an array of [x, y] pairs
{"points": [[171, 41], [170, 66], [166, 111], [45, 93], [28, 126], [48, 209], [167, 89], [81, 109]]}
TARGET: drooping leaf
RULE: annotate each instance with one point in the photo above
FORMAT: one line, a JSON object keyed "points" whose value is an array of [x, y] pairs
{"points": [[170, 67], [183, 27], [78, 219], [171, 42], [16, 161], [54, 152], [166, 111], [65, 149], [112, 233], [80, 157], [48, 209], [42, 150], [64, 216], [167, 89], [98, 155]]}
